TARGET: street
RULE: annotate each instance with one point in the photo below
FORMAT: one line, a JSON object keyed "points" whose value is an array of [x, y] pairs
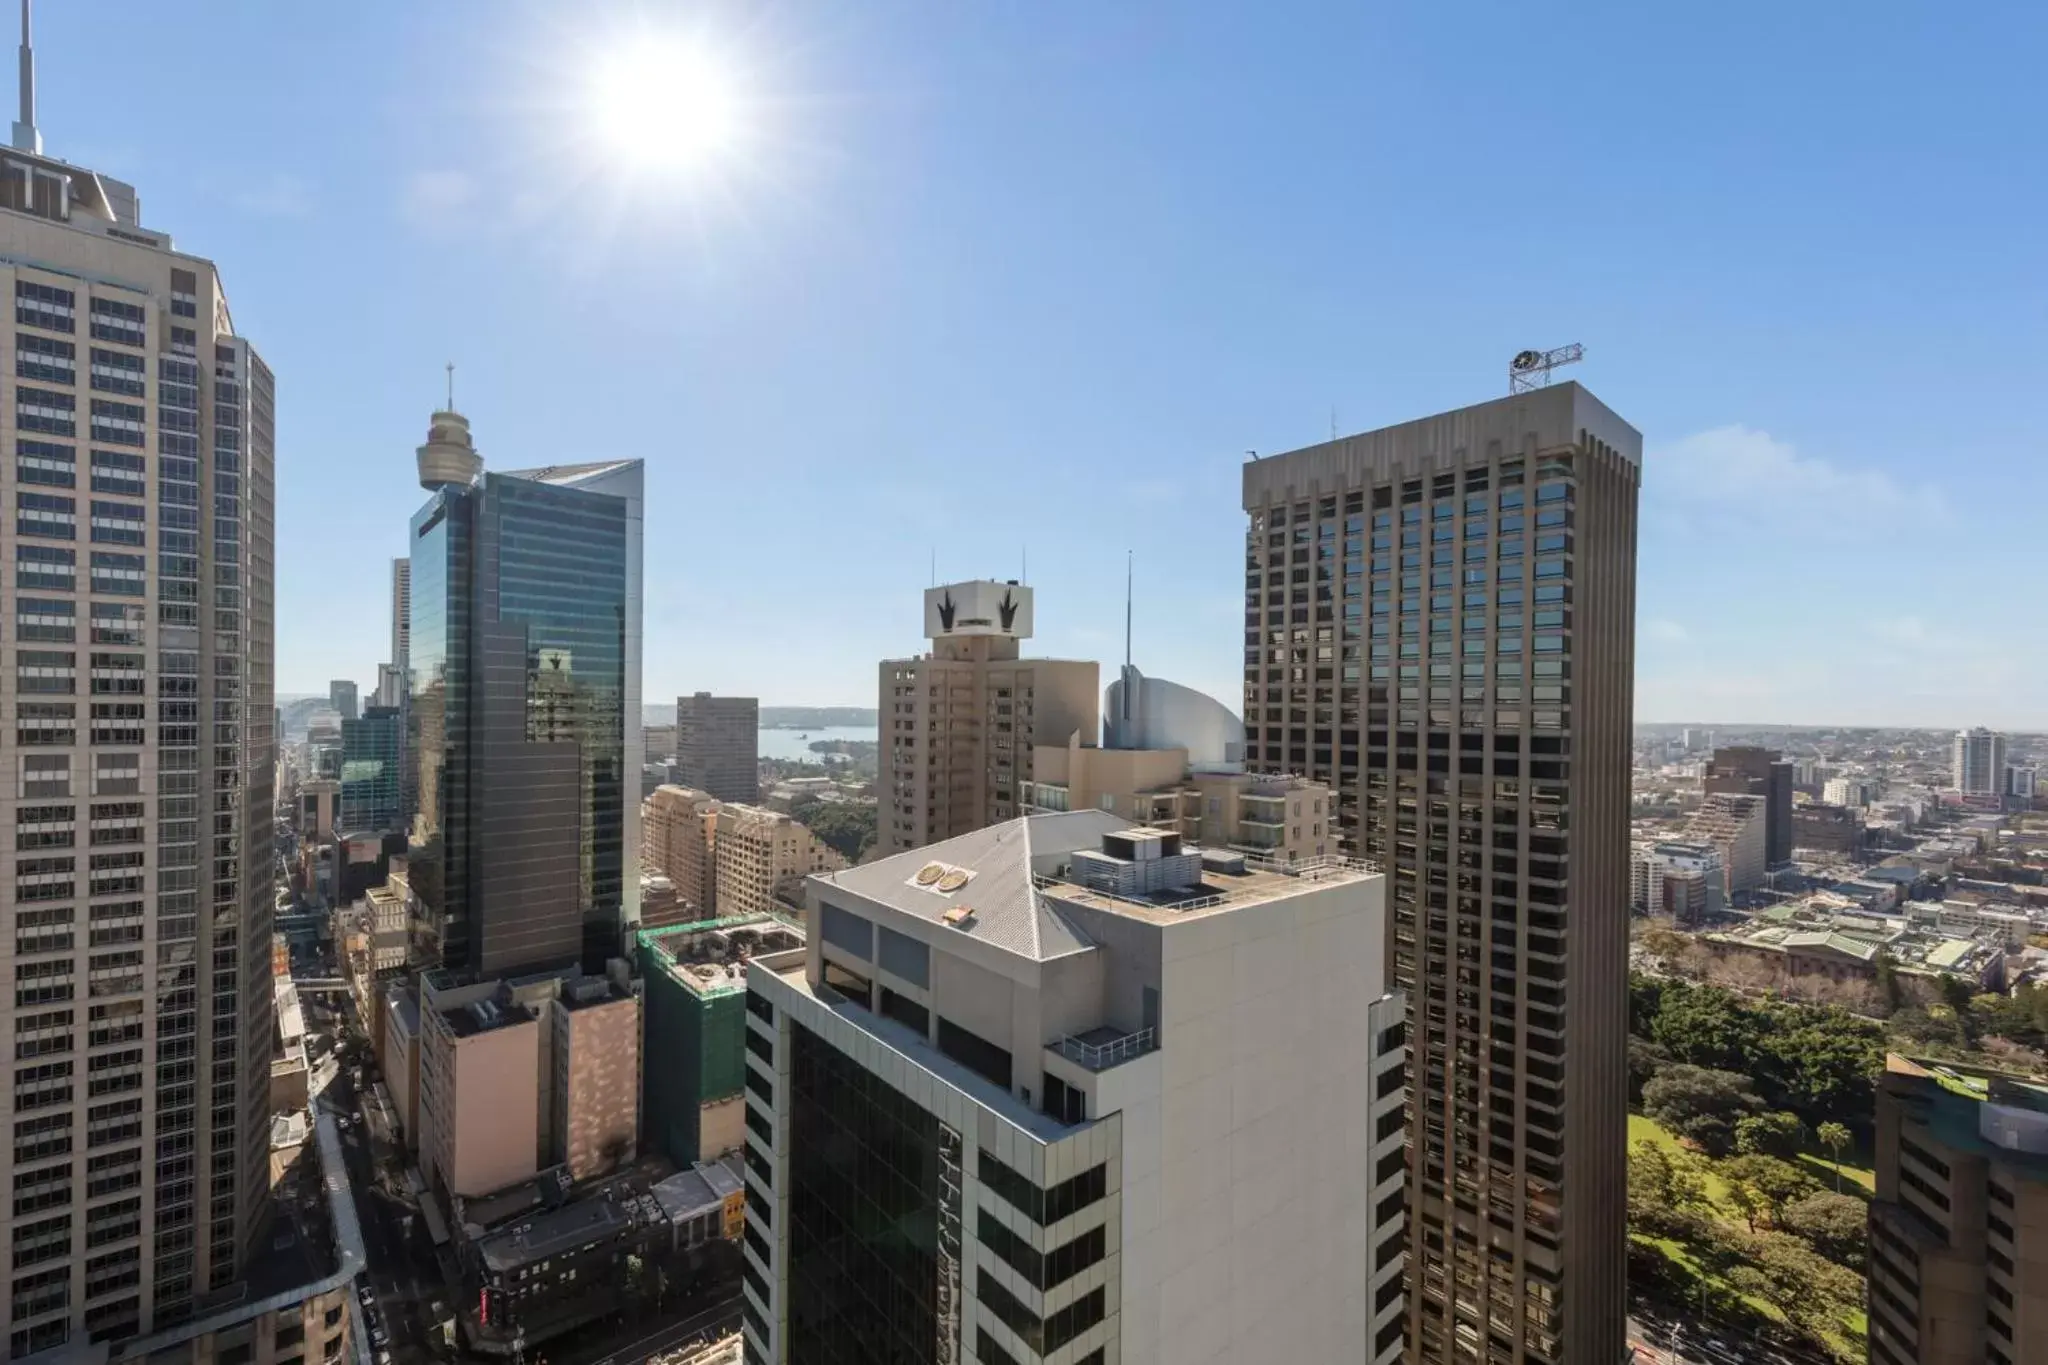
{"points": [[1651, 1334]]}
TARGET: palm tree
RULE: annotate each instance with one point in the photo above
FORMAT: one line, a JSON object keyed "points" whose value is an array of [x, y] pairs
{"points": [[1834, 1137]]}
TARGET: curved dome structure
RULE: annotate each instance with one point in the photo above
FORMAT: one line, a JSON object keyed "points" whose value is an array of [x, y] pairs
{"points": [[1150, 713], [449, 456]]}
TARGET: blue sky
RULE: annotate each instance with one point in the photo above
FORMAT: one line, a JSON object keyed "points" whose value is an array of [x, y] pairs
{"points": [[997, 275]]}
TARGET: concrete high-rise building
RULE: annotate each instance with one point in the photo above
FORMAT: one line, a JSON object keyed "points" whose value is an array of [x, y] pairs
{"points": [[718, 746], [140, 449], [1959, 1227], [342, 696], [762, 857], [1853, 792], [1751, 771], [1439, 624], [679, 831], [1043, 1056], [390, 686], [1979, 762], [958, 724], [2021, 782], [401, 613], [523, 710], [1738, 827]]}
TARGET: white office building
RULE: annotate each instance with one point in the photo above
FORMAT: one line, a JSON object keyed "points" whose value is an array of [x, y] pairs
{"points": [[1980, 762], [999, 1112]]}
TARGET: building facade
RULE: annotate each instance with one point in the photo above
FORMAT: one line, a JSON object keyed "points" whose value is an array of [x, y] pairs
{"points": [[718, 746], [1979, 762], [958, 724], [1439, 626], [1686, 881], [1739, 827], [597, 1075], [679, 831], [1959, 1228], [525, 658], [762, 858], [1747, 770], [694, 988], [401, 612], [372, 754], [994, 1112], [139, 459]]}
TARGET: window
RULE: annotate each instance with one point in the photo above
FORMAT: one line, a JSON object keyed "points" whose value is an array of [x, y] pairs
{"points": [[846, 930], [1043, 1207]]}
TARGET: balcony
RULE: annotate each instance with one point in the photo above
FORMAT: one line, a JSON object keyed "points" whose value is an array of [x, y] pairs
{"points": [[1099, 1049]]}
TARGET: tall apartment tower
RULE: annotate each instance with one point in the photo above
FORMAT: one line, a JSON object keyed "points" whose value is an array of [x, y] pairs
{"points": [[138, 457], [718, 746], [958, 724], [1065, 1090], [1439, 626], [1958, 1265], [401, 611], [525, 697], [344, 698], [1980, 762], [1747, 770]]}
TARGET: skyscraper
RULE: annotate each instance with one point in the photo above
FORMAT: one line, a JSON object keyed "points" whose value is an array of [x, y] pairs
{"points": [[1065, 1090], [371, 747], [141, 695], [1439, 624], [958, 724], [401, 611], [343, 697], [525, 657], [718, 746], [1980, 762]]}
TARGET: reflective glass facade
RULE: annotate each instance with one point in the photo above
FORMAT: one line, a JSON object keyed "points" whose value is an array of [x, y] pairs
{"points": [[518, 674], [864, 1206]]}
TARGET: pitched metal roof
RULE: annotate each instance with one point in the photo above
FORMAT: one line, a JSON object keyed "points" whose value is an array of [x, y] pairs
{"points": [[1008, 909]]}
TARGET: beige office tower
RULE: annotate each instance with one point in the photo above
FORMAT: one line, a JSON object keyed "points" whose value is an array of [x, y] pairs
{"points": [[958, 724], [138, 465], [1439, 625], [762, 857]]}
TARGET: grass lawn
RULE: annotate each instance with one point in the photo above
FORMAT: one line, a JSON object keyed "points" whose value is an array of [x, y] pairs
{"points": [[1640, 1128], [1855, 1179]]}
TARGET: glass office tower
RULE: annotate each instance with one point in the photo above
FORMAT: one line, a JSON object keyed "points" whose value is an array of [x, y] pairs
{"points": [[525, 708]]}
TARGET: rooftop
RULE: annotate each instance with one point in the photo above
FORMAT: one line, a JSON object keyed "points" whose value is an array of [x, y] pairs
{"points": [[709, 957], [1004, 885], [486, 1016]]}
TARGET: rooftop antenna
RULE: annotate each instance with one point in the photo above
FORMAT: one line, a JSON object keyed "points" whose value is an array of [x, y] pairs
{"points": [[451, 366], [26, 138], [1129, 560], [1531, 369]]}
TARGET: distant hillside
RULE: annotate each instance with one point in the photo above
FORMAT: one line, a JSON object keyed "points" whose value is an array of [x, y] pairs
{"points": [[774, 717]]}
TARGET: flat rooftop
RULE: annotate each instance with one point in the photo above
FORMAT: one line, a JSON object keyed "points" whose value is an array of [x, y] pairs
{"points": [[709, 957], [485, 1016], [1217, 890]]}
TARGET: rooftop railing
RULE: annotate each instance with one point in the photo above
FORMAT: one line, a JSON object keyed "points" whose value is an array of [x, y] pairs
{"points": [[1104, 1055]]}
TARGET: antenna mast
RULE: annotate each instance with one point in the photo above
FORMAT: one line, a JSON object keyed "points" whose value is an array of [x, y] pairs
{"points": [[26, 138]]}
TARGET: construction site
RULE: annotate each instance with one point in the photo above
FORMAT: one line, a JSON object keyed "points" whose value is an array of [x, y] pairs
{"points": [[695, 978]]}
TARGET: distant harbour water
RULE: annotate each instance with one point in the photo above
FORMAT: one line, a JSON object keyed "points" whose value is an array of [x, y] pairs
{"points": [[785, 744]]}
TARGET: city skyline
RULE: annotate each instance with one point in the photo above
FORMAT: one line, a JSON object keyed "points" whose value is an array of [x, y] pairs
{"points": [[1140, 295]]}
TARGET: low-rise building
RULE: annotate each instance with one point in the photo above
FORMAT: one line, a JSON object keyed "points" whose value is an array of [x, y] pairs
{"points": [[1683, 880], [693, 983], [597, 1075]]}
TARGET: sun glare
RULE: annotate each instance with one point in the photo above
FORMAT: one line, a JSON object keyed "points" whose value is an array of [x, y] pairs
{"points": [[666, 106]]}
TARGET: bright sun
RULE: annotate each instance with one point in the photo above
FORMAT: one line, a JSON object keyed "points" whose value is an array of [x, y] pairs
{"points": [[666, 106]]}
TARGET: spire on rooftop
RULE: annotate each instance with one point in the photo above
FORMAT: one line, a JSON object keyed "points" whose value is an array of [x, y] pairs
{"points": [[26, 138]]}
